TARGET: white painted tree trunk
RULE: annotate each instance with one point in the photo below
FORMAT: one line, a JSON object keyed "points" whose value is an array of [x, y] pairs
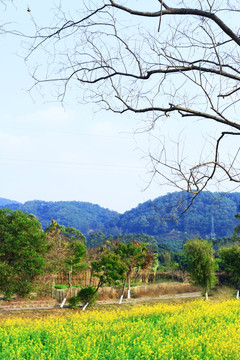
{"points": [[237, 295], [206, 295], [121, 298], [129, 285], [84, 308], [63, 302]]}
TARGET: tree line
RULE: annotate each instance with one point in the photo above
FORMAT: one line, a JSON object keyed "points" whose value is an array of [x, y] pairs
{"points": [[27, 252], [160, 219]]}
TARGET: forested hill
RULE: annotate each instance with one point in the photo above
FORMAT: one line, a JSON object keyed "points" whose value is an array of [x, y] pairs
{"points": [[155, 217], [83, 216], [7, 202], [158, 217]]}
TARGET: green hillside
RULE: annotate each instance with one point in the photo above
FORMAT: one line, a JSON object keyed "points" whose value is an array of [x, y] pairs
{"points": [[161, 218], [83, 216], [6, 202]]}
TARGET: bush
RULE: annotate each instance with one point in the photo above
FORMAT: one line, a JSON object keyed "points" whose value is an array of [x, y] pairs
{"points": [[87, 294]]}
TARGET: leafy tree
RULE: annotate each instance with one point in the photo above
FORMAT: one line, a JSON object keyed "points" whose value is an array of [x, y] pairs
{"points": [[96, 240], [22, 249], [66, 247], [237, 229], [57, 248], [201, 264], [108, 268], [166, 259], [87, 295], [181, 259], [140, 238], [134, 255], [230, 257], [66, 251], [72, 234]]}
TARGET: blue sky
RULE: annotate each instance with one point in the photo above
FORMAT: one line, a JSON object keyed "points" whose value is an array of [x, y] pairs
{"points": [[50, 152]]}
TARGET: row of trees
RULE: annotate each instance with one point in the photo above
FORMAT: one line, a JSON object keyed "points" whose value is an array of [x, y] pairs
{"points": [[27, 252], [115, 264]]}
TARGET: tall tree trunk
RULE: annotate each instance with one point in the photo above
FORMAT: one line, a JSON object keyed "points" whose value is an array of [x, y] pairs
{"points": [[123, 290], [69, 287], [91, 276], [53, 285], [129, 286]]}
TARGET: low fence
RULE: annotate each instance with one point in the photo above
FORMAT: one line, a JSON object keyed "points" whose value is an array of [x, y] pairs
{"points": [[84, 277]]}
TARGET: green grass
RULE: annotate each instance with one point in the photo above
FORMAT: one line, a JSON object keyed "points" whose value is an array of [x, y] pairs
{"points": [[58, 286]]}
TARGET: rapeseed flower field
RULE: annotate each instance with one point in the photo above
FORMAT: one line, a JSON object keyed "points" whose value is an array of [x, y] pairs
{"points": [[193, 330]]}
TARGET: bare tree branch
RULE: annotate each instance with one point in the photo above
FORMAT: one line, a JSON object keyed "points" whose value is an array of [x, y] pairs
{"points": [[186, 66]]}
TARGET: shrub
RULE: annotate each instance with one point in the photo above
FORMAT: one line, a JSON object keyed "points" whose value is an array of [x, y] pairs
{"points": [[87, 294]]}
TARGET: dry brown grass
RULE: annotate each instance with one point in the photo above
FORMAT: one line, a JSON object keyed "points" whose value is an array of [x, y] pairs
{"points": [[150, 290], [155, 290], [221, 293]]}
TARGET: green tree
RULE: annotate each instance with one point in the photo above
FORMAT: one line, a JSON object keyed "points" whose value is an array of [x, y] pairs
{"points": [[74, 261], [72, 234], [166, 259], [22, 249], [236, 229], [201, 263], [57, 249], [141, 238], [230, 257], [66, 251], [134, 255], [66, 248], [96, 240], [108, 268]]}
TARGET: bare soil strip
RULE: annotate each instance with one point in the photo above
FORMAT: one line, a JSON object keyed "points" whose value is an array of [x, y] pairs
{"points": [[37, 305]]}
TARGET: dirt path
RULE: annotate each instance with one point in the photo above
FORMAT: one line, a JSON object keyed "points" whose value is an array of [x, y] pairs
{"points": [[160, 297], [51, 304]]}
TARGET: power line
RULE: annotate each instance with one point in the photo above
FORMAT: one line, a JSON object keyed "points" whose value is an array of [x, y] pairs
{"points": [[85, 165]]}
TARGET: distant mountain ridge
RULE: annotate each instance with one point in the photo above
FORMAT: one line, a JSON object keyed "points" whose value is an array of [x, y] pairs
{"points": [[4, 202], [209, 213], [163, 217], [83, 216]]}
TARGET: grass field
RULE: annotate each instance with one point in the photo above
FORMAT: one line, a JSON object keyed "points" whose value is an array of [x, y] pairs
{"points": [[190, 330]]}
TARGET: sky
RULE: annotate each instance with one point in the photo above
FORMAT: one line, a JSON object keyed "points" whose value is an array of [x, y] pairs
{"points": [[74, 152]]}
